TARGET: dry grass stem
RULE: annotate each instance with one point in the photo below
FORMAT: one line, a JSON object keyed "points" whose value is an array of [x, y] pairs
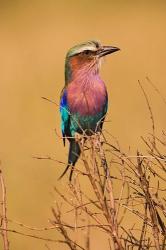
{"points": [[4, 222]]}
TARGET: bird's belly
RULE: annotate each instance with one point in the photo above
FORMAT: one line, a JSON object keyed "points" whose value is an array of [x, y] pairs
{"points": [[87, 106], [88, 124], [87, 114], [91, 123]]}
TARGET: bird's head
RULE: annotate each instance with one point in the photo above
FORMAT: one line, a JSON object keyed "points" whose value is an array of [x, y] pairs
{"points": [[85, 58]]}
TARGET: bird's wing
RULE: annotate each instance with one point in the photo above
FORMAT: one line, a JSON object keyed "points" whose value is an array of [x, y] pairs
{"points": [[65, 115], [104, 113]]}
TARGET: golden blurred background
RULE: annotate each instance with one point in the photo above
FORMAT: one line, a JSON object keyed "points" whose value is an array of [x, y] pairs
{"points": [[34, 38]]}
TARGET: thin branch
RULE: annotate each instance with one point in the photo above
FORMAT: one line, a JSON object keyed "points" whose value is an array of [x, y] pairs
{"points": [[156, 89], [4, 213], [150, 111]]}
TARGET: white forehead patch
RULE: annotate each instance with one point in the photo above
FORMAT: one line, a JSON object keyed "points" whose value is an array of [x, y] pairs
{"points": [[91, 45], [86, 47]]}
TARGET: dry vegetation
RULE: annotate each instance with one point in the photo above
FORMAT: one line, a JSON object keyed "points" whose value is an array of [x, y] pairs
{"points": [[141, 196]]}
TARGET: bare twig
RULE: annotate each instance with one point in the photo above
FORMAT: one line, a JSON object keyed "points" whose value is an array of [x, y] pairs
{"points": [[152, 209], [4, 214], [156, 89], [150, 111]]}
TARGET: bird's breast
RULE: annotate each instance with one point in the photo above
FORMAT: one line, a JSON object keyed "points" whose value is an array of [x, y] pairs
{"points": [[86, 98]]}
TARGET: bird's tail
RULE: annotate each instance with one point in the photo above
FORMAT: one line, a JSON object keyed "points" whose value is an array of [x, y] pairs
{"points": [[74, 153]]}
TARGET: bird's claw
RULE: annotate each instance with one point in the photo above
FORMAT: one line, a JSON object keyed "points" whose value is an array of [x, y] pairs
{"points": [[77, 137]]}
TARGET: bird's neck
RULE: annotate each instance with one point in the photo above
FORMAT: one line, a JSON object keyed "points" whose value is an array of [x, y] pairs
{"points": [[84, 73]]}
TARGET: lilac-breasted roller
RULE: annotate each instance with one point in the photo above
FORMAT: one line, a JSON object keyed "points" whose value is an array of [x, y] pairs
{"points": [[83, 101]]}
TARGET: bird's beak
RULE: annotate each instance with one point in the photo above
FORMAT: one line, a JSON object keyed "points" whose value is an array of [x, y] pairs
{"points": [[105, 50]]}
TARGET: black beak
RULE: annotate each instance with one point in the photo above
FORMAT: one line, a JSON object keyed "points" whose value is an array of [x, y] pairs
{"points": [[105, 50]]}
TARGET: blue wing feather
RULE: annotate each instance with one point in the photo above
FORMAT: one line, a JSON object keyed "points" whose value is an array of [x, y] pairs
{"points": [[65, 117]]}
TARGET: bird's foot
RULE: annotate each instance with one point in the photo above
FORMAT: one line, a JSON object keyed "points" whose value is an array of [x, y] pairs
{"points": [[97, 139], [77, 137]]}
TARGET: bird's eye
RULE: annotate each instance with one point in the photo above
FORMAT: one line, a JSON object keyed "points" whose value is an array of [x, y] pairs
{"points": [[87, 52]]}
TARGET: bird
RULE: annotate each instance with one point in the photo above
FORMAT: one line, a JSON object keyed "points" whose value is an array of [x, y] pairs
{"points": [[84, 98]]}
